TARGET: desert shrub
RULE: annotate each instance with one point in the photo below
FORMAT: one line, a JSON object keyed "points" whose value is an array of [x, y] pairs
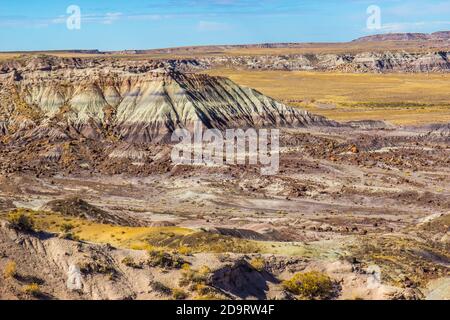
{"points": [[189, 277], [160, 287], [67, 232], [204, 290], [179, 294], [70, 236], [129, 262], [204, 271], [310, 285], [258, 264], [186, 267], [185, 251], [32, 289], [210, 297], [67, 227], [20, 221], [10, 269], [91, 267], [158, 258]]}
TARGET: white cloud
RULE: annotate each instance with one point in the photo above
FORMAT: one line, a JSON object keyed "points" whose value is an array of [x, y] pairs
{"points": [[107, 18]]}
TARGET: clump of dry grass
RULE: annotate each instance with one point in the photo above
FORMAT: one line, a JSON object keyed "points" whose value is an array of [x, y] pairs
{"points": [[10, 269], [258, 263], [32, 289]]}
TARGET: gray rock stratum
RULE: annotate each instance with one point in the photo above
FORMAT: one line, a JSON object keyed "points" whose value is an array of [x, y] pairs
{"points": [[134, 101]]}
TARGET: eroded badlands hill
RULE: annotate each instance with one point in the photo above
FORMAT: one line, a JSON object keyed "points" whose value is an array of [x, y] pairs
{"points": [[133, 101]]}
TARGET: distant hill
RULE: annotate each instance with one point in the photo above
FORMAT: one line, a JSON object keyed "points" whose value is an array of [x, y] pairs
{"points": [[379, 43], [440, 35]]}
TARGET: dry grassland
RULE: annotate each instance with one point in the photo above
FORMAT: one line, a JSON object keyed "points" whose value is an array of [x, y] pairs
{"points": [[397, 98]]}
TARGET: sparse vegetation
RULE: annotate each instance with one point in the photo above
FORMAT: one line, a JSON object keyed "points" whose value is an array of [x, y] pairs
{"points": [[310, 285], [402, 256], [203, 242], [197, 282], [182, 240]]}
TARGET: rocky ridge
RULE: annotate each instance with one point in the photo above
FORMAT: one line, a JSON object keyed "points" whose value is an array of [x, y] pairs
{"points": [[369, 62]]}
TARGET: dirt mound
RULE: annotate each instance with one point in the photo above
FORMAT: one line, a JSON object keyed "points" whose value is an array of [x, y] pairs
{"points": [[79, 208], [242, 280], [240, 233]]}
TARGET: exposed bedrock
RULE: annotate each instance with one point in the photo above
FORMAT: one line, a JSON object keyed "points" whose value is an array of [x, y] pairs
{"points": [[137, 103]]}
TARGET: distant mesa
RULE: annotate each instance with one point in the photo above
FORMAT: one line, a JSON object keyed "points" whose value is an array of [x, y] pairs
{"points": [[440, 35]]}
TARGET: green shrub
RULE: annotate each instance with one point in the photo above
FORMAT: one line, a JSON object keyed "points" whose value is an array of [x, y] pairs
{"points": [[310, 285]]}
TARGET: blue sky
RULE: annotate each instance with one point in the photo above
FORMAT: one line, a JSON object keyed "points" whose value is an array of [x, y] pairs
{"points": [[143, 24]]}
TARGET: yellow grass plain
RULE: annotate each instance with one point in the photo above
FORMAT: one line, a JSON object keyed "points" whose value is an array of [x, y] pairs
{"points": [[404, 99]]}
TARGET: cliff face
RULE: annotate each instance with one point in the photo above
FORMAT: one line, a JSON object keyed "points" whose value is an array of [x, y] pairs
{"points": [[136, 102]]}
